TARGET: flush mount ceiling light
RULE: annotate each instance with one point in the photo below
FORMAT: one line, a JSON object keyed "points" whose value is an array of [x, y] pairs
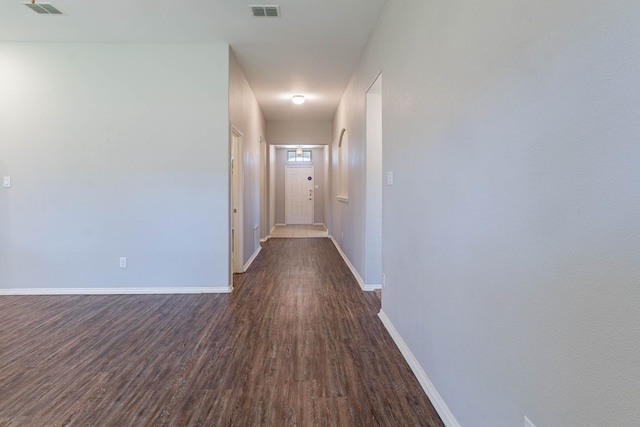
{"points": [[299, 151], [297, 99]]}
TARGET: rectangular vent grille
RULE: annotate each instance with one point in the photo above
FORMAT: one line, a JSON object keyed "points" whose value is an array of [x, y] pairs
{"points": [[265, 11], [43, 8]]}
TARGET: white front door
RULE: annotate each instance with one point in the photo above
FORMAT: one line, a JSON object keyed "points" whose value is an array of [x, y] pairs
{"points": [[299, 184]]}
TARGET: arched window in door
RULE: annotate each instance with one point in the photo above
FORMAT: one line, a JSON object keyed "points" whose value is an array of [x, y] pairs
{"points": [[343, 166]]}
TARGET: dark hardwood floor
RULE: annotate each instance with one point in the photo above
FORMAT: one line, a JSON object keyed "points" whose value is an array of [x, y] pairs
{"points": [[296, 344]]}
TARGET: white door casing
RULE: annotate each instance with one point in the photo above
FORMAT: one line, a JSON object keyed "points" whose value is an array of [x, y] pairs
{"points": [[299, 194], [264, 211], [236, 203]]}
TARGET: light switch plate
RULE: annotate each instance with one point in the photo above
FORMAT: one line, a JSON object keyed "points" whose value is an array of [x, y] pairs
{"points": [[6, 181], [389, 178]]}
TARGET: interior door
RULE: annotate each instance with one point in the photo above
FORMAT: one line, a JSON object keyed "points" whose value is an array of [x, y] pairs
{"points": [[299, 185]]}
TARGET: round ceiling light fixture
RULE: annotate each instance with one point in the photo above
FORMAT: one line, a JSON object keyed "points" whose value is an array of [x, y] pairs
{"points": [[297, 99]]}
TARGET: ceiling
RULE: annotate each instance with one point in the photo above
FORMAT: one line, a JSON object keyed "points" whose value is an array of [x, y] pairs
{"points": [[311, 49]]}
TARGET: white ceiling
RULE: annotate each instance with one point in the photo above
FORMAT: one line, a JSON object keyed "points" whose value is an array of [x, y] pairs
{"points": [[311, 49]]}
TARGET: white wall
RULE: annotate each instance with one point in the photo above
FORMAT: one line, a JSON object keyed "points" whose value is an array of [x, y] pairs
{"points": [[247, 117], [348, 217], [301, 132], [511, 236], [114, 150]]}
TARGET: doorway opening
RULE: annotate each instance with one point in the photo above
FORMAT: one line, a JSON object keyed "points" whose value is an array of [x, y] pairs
{"points": [[237, 261], [373, 189], [264, 210]]}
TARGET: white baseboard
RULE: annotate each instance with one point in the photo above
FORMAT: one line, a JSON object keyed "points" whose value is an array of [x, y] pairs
{"points": [[372, 287], [438, 403], [274, 227], [253, 257], [264, 239], [363, 286], [351, 267], [117, 291]]}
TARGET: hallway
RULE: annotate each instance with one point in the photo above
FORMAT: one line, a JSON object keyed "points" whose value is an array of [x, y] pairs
{"points": [[326, 346], [296, 343]]}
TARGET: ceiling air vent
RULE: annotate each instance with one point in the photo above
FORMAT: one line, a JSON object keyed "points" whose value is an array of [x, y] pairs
{"points": [[265, 11], [43, 8]]}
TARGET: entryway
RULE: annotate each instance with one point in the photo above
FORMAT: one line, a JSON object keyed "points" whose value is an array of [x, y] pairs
{"points": [[299, 186]]}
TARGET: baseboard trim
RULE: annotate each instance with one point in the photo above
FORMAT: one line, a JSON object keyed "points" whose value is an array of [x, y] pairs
{"points": [[363, 286], [438, 403], [253, 257], [351, 267], [274, 227], [117, 291]]}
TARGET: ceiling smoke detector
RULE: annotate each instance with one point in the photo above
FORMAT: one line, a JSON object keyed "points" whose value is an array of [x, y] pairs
{"points": [[271, 11], [43, 8]]}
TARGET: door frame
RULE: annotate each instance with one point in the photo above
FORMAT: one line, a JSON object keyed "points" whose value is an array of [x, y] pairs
{"points": [[373, 270], [236, 203], [286, 192], [264, 188]]}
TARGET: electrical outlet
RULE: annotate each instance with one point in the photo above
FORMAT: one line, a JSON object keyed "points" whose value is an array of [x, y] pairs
{"points": [[527, 422], [123, 262]]}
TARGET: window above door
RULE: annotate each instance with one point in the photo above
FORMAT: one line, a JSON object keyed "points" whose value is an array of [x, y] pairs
{"points": [[293, 156]]}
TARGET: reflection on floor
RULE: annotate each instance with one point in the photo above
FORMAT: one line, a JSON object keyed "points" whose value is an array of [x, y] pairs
{"points": [[299, 231]]}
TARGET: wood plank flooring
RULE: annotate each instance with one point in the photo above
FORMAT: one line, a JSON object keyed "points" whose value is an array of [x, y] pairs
{"points": [[296, 344]]}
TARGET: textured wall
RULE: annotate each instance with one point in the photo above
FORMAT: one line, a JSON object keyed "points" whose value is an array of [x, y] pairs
{"points": [[113, 151], [282, 132], [511, 237], [247, 117]]}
